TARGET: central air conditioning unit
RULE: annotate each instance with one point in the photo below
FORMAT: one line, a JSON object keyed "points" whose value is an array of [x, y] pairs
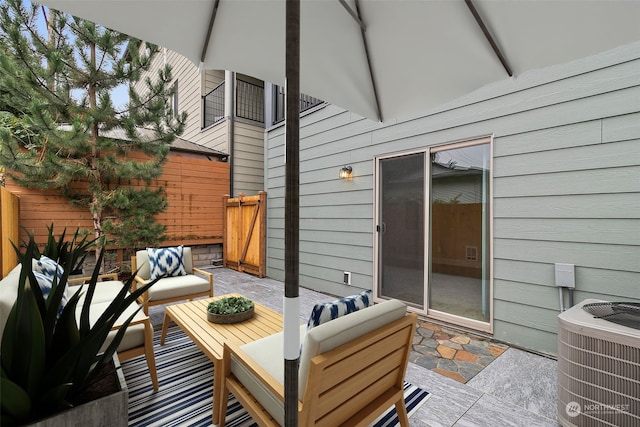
{"points": [[598, 366]]}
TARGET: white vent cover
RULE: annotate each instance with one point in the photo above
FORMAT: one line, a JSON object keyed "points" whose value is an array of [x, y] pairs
{"points": [[598, 371], [471, 253]]}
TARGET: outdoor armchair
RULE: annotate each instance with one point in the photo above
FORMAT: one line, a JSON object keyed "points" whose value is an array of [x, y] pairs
{"points": [[351, 370], [179, 279]]}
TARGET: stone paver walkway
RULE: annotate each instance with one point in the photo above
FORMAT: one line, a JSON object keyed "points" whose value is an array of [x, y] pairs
{"points": [[457, 355]]}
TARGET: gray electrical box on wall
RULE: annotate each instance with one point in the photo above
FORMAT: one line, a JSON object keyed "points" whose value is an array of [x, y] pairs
{"points": [[565, 275]]}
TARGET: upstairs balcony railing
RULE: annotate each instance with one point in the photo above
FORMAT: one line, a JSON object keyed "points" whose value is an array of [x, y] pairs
{"points": [[213, 106], [306, 102], [250, 103]]}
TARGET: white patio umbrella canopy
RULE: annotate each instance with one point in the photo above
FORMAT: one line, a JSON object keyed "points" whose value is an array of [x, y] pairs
{"points": [[422, 52], [382, 59]]}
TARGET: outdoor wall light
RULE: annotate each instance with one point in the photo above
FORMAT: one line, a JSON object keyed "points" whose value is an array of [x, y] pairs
{"points": [[345, 172]]}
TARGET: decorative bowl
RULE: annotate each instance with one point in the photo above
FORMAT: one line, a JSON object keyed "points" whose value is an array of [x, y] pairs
{"points": [[230, 310]]}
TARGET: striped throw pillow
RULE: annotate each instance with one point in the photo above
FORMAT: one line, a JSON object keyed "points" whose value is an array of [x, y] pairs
{"points": [[327, 311], [46, 270], [47, 266]]}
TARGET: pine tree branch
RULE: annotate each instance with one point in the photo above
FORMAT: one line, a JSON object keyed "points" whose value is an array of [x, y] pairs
{"points": [[78, 160]]}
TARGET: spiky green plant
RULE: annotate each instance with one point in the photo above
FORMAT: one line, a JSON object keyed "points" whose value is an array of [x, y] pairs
{"points": [[48, 360]]}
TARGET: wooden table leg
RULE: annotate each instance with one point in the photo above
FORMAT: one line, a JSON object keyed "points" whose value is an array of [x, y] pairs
{"points": [[165, 325], [218, 378]]}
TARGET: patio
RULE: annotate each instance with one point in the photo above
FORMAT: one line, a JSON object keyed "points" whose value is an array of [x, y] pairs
{"points": [[516, 388]]}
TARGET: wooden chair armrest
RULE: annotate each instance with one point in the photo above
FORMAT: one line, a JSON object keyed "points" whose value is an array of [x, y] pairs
{"points": [[140, 280], [144, 298], [117, 326], [233, 350], [208, 274], [80, 280]]}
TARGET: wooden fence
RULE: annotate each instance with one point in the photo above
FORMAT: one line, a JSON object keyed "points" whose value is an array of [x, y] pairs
{"points": [[245, 233], [9, 230], [456, 237], [194, 186]]}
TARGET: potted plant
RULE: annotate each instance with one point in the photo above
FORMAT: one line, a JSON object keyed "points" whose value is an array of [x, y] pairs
{"points": [[230, 310], [49, 360]]}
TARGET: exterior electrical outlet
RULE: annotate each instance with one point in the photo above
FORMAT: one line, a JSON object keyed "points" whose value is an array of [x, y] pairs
{"points": [[347, 278]]}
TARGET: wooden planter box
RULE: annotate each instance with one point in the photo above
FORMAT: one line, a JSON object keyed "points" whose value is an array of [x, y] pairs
{"points": [[108, 411]]}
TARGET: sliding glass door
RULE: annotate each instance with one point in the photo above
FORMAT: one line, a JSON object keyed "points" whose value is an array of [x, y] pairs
{"points": [[433, 229]]}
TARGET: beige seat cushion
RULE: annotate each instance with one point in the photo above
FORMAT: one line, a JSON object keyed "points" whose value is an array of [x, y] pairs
{"points": [[105, 291], [268, 352], [103, 295], [134, 337], [8, 295], [172, 287]]}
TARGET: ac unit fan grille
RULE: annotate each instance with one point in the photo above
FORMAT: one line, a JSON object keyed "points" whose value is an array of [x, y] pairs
{"points": [[622, 313], [600, 379], [600, 355]]}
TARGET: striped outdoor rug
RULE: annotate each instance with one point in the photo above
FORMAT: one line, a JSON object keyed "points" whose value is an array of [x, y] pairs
{"points": [[186, 380]]}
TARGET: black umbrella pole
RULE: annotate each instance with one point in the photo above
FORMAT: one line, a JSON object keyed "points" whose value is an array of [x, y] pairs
{"points": [[292, 213]]}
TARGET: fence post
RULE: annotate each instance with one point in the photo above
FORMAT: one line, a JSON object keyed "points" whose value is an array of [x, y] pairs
{"points": [[9, 230], [263, 234], [240, 231], [225, 222]]}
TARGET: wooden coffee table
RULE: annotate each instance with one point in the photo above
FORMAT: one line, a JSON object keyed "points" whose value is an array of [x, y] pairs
{"points": [[191, 317]]}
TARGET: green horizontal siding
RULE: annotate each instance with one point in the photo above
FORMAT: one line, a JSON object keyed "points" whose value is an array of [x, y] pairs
{"points": [[566, 188]]}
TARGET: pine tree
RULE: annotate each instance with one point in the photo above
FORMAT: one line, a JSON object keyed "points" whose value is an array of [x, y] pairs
{"points": [[59, 127]]}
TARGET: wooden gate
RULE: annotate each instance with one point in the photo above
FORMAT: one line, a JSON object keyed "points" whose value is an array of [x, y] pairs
{"points": [[245, 225]]}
